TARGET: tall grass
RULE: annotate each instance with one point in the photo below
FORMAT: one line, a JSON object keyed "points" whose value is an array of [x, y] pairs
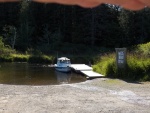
{"points": [[20, 57], [10, 55], [105, 65], [27, 58], [5, 52], [136, 69], [143, 49]]}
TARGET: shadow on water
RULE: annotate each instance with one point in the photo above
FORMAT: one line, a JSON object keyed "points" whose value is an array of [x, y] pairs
{"points": [[34, 74]]}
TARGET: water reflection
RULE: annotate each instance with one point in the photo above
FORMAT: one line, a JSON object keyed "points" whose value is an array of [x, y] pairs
{"points": [[34, 74], [63, 78]]}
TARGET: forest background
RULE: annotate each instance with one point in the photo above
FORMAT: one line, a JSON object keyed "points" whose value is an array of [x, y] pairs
{"points": [[48, 28]]}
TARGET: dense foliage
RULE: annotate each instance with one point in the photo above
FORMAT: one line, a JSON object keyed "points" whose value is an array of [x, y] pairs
{"points": [[137, 68], [71, 29], [7, 54], [143, 49]]}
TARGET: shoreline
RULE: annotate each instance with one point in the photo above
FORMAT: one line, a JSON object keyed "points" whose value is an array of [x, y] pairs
{"points": [[97, 95]]}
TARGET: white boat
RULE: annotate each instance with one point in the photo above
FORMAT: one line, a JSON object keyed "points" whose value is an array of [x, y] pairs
{"points": [[63, 64]]}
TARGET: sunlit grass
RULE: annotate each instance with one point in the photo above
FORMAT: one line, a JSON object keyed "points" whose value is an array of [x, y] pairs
{"points": [[20, 57], [143, 49], [105, 65], [27, 58], [136, 68], [113, 81]]}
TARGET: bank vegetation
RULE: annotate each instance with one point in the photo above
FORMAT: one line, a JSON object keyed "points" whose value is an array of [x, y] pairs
{"points": [[137, 67]]}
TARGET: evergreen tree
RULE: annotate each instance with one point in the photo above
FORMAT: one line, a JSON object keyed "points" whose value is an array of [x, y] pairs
{"points": [[26, 28]]}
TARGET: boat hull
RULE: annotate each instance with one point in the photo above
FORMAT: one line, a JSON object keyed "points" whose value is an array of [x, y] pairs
{"points": [[63, 69]]}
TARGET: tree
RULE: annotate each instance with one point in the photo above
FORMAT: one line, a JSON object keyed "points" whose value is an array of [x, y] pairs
{"points": [[26, 25], [9, 15], [134, 26], [10, 35], [125, 23]]}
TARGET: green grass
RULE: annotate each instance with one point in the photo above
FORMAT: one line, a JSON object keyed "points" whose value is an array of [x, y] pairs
{"points": [[105, 65], [6, 58], [143, 49], [137, 68], [113, 81], [20, 57], [27, 58], [9, 55]]}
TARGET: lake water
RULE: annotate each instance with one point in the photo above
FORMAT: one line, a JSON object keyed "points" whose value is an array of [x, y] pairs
{"points": [[35, 74]]}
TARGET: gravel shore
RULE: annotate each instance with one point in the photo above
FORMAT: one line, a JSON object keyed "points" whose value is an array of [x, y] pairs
{"points": [[94, 96]]}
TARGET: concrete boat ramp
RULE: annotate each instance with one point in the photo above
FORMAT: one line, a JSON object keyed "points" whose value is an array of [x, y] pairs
{"points": [[86, 70]]}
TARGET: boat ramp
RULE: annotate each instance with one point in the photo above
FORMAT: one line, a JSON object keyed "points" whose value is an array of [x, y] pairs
{"points": [[86, 70]]}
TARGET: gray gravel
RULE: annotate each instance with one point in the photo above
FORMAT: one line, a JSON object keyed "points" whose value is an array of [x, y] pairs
{"points": [[95, 96]]}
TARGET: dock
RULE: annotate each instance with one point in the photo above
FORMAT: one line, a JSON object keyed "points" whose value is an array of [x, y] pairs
{"points": [[86, 70], [81, 67]]}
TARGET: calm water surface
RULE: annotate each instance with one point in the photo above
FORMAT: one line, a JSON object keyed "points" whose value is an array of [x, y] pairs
{"points": [[34, 74]]}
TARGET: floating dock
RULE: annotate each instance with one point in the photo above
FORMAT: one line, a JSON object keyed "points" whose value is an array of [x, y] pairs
{"points": [[86, 70], [81, 67]]}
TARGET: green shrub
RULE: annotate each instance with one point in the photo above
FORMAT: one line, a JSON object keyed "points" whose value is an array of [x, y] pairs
{"points": [[143, 49], [1, 43], [20, 57], [14, 58], [40, 59], [106, 65], [136, 69], [6, 58]]}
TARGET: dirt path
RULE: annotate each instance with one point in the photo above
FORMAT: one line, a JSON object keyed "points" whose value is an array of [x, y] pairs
{"points": [[95, 96]]}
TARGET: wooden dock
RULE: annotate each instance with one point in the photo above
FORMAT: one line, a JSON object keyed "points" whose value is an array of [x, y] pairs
{"points": [[81, 67], [92, 74], [86, 70]]}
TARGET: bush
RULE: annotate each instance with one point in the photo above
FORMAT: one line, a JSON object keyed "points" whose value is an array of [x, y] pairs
{"points": [[143, 49], [106, 65], [5, 52], [136, 69], [6, 58], [20, 57], [41, 59], [1, 43]]}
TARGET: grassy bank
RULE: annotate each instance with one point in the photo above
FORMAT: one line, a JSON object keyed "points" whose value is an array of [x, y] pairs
{"points": [[27, 58], [10, 55], [105, 65], [137, 68]]}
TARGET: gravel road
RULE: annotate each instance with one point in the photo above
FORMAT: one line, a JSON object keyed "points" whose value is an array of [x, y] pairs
{"points": [[94, 96]]}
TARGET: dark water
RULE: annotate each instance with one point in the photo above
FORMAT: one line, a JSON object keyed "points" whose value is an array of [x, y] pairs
{"points": [[34, 74]]}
